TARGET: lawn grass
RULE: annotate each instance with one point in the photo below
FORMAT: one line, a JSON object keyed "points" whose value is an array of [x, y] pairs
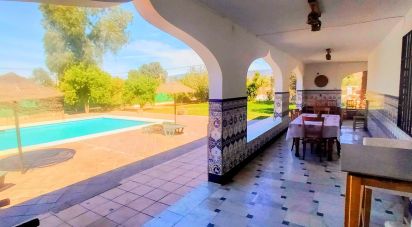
{"points": [[255, 110], [259, 110]]}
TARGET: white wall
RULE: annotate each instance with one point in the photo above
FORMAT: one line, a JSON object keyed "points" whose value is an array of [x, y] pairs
{"points": [[335, 71], [384, 61], [226, 48]]}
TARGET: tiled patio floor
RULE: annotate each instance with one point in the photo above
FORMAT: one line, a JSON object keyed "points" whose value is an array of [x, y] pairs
{"points": [[138, 198], [95, 156], [275, 189]]}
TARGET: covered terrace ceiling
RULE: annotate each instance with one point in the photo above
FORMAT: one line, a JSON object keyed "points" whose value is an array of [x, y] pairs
{"points": [[352, 28]]}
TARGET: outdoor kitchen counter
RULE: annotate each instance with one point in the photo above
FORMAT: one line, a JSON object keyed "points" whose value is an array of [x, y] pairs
{"points": [[380, 167]]}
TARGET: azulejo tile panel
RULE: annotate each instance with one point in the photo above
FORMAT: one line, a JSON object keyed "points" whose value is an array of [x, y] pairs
{"points": [[215, 138], [281, 104], [227, 134], [310, 97], [299, 99], [383, 116], [265, 138]]}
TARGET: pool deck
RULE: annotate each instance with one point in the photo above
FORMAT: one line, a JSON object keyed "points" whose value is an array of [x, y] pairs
{"points": [[95, 156], [304, 193], [148, 122]]}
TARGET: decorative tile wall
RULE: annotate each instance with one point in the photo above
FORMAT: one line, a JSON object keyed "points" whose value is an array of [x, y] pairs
{"points": [[383, 115], [310, 97], [227, 134], [281, 104], [267, 137], [299, 99]]}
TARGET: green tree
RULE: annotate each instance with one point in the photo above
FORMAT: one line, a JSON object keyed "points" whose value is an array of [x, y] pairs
{"points": [[155, 70], [266, 87], [42, 77], [199, 81], [86, 85], [253, 85], [292, 88], [352, 80], [140, 88], [117, 92], [76, 35]]}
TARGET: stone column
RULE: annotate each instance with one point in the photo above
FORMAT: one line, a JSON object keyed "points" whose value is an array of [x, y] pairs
{"points": [[281, 105], [227, 131]]}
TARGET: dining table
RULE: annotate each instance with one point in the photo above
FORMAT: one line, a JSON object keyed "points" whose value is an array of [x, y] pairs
{"points": [[331, 130]]}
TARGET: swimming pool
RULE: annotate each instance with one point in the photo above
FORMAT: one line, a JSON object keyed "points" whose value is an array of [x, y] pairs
{"points": [[61, 131]]}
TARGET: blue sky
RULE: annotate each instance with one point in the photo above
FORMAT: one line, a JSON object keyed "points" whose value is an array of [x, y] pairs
{"points": [[21, 45]]}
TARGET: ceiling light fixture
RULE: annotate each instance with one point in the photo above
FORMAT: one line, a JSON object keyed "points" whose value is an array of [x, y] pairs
{"points": [[328, 56], [313, 16]]}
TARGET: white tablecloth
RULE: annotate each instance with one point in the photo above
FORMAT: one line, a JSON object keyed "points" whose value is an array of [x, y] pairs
{"points": [[331, 127]]}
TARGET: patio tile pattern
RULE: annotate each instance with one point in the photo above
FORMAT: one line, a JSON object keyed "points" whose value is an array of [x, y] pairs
{"points": [[278, 189], [139, 197], [109, 185], [97, 163], [176, 193]]}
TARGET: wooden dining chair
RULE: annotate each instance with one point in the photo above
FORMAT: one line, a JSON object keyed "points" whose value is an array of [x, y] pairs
{"points": [[320, 103], [334, 110], [350, 109], [308, 109], [350, 104], [294, 113], [332, 103], [322, 110], [361, 118], [313, 134]]}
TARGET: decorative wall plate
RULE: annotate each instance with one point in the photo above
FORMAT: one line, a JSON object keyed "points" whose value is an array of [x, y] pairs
{"points": [[321, 80]]}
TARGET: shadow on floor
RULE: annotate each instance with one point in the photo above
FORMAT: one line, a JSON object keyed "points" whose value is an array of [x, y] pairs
{"points": [[37, 159], [6, 186]]}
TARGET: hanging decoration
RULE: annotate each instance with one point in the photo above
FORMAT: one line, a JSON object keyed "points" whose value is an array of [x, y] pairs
{"points": [[313, 17]]}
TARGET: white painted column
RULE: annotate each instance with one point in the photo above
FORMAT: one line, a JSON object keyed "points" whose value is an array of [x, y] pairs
{"points": [[227, 51]]}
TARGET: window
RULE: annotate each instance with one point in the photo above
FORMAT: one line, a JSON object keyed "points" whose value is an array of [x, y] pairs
{"points": [[405, 86]]}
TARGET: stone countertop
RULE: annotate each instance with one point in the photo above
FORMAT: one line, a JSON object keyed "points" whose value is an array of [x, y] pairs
{"points": [[384, 162]]}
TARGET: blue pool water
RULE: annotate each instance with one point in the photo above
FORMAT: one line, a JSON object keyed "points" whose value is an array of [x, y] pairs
{"points": [[39, 134]]}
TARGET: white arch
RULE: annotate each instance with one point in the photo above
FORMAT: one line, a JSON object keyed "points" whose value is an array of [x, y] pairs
{"points": [[277, 73], [299, 78], [148, 12]]}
